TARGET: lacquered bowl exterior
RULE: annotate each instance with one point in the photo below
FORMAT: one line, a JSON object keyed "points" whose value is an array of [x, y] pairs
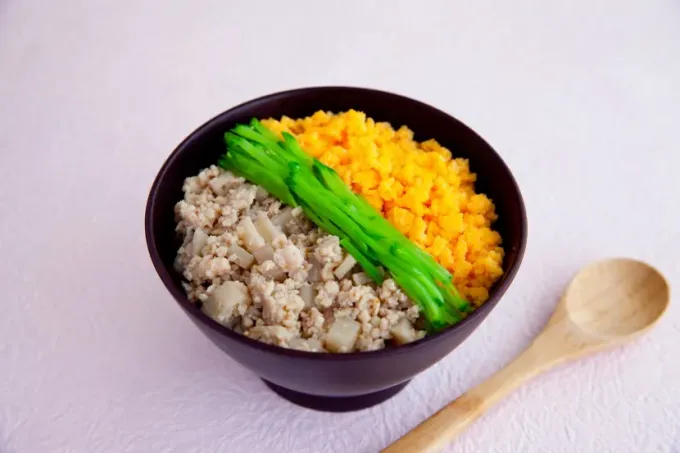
{"points": [[335, 374]]}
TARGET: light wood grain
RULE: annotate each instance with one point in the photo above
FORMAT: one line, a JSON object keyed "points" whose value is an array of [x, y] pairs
{"points": [[607, 304]]}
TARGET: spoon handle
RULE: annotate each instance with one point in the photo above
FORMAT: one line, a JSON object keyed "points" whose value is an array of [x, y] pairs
{"points": [[437, 431]]}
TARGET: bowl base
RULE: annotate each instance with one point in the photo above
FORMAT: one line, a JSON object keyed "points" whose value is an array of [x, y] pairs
{"points": [[336, 403]]}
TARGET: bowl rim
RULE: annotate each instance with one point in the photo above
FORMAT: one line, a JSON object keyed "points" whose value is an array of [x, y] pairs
{"points": [[180, 296]]}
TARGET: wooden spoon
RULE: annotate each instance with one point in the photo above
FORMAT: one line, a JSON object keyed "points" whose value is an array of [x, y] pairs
{"points": [[607, 304]]}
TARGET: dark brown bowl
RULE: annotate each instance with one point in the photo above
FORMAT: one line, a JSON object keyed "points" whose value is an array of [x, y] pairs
{"points": [[335, 381]]}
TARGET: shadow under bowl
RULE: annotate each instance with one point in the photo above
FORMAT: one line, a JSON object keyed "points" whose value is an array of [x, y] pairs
{"points": [[335, 382]]}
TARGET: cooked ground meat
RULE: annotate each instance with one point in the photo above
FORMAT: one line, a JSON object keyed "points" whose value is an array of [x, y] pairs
{"points": [[264, 270]]}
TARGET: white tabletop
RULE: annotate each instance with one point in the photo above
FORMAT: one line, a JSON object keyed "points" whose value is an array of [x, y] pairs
{"points": [[581, 98]]}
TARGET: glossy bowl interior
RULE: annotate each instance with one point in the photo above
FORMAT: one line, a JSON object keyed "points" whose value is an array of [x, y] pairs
{"points": [[335, 381]]}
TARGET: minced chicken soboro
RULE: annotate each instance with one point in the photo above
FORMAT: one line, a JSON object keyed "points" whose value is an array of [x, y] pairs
{"points": [[419, 187], [264, 270]]}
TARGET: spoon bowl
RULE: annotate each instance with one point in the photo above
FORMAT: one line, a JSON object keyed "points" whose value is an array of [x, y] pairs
{"points": [[617, 298], [608, 303]]}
